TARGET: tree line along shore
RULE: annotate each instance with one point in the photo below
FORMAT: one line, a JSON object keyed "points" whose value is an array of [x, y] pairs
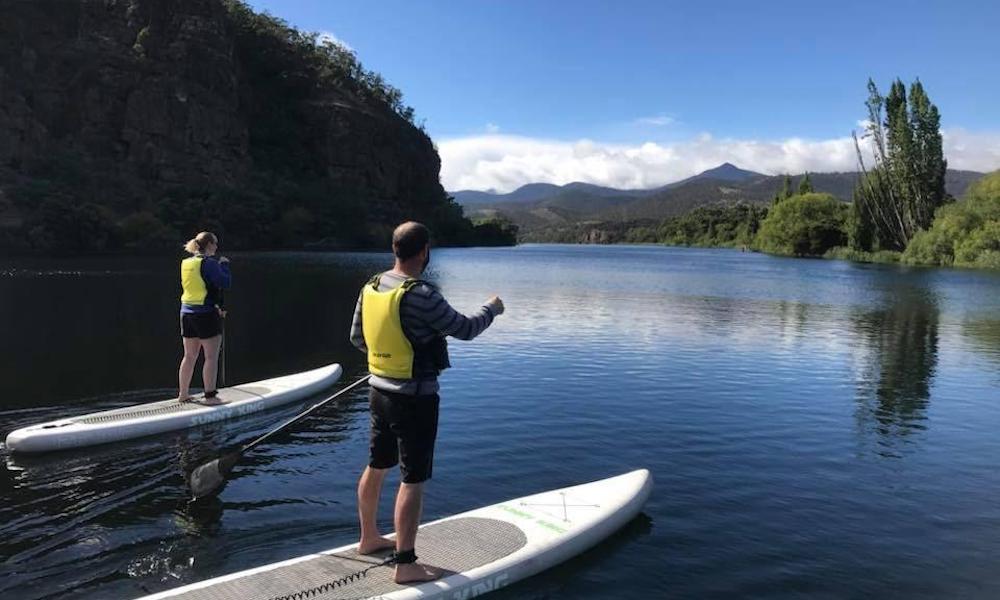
{"points": [[900, 211]]}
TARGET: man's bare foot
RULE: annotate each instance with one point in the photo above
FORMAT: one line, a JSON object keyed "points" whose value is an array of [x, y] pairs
{"points": [[185, 399], [375, 545], [417, 573]]}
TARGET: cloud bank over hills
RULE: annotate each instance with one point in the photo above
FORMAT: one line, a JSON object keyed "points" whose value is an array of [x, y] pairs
{"points": [[505, 162]]}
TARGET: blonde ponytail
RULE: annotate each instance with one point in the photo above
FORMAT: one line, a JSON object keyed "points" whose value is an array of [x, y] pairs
{"points": [[198, 243]]}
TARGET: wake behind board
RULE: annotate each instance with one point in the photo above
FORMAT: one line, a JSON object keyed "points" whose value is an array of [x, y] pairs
{"points": [[481, 550], [169, 415]]}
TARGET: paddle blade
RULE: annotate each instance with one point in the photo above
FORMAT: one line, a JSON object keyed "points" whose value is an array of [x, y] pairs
{"points": [[209, 478]]}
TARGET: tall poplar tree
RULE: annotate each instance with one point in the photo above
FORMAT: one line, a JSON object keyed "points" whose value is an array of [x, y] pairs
{"points": [[805, 185], [897, 197]]}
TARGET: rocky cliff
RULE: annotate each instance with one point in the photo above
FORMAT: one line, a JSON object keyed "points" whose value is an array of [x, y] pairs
{"points": [[133, 123]]}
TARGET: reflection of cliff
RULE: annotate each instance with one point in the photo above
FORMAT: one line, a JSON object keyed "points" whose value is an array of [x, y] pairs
{"points": [[897, 357]]}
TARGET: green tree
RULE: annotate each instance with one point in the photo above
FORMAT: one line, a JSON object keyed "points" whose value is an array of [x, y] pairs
{"points": [[805, 185], [898, 196], [965, 233], [728, 226], [805, 225]]}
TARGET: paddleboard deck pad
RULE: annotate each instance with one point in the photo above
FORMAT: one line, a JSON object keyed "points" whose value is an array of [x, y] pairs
{"points": [[169, 415], [480, 551]]}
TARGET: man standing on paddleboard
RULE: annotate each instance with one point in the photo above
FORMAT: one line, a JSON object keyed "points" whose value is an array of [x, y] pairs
{"points": [[401, 323]]}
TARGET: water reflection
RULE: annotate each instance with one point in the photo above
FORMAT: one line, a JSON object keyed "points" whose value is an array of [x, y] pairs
{"points": [[742, 381], [984, 337], [897, 353]]}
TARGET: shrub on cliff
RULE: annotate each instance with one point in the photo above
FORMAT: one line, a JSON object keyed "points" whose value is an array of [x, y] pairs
{"points": [[62, 226], [303, 59], [244, 219], [144, 231], [496, 231]]}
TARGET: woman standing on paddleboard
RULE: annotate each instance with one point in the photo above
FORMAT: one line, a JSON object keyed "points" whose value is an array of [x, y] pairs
{"points": [[203, 277]]}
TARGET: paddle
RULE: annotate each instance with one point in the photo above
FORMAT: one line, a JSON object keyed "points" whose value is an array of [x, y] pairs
{"points": [[209, 478], [221, 383], [222, 342]]}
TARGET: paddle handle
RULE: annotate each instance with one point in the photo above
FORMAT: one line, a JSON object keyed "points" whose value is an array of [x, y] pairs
{"points": [[303, 414]]}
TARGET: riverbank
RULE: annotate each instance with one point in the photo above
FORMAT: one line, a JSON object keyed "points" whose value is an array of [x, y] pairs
{"points": [[964, 233]]}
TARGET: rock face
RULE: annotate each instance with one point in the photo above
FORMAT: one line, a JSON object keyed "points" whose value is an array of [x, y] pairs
{"points": [[130, 99], [148, 89]]}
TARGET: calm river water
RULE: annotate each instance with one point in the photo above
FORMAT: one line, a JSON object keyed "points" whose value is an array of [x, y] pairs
{"points": [[814, 428]]}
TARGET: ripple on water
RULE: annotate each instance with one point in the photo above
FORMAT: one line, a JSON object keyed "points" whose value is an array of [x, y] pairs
{"points": [[814, 428]]}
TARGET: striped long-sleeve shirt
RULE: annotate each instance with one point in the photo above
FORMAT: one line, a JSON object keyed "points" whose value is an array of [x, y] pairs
{"points": [[424, 314]]}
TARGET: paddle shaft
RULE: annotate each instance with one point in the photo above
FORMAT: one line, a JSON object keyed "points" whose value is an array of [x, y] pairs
{"points": [[222, 342], [301, 415], [222, 355]]}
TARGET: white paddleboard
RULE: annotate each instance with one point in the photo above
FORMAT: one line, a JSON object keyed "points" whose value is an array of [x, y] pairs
{"points": [[169, 415], [481, 550]]}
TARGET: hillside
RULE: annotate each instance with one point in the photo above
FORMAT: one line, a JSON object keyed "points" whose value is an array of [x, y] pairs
{"points": [[131, 125], [574, 204]]}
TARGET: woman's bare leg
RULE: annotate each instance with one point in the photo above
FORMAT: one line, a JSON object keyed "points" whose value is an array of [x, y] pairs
{"points": [[211, 367], [184, 374]]}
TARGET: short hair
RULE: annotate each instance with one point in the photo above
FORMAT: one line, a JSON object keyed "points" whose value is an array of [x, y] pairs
{"points": [[409, 238]]}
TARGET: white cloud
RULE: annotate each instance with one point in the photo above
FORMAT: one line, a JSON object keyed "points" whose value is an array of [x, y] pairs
{"points": [[505, 162], [328, 36], [970, 150], [492, 128], [657, 121]]}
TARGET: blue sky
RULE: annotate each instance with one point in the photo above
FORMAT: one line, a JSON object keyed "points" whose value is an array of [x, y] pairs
{"points": [[678, 76]]}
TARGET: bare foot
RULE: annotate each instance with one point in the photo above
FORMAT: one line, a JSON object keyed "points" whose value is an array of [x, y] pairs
{"points": [[185, 399], [416, 573], [213, 401], [371, 546]]}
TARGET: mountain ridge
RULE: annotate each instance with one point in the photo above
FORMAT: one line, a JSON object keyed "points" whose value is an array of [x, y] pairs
{"points": [[726, 184]]}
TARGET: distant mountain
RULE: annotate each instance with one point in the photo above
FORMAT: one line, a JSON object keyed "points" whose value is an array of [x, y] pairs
{"points": [[525, 193], [538, 191], [724, 172], [537, 206]]}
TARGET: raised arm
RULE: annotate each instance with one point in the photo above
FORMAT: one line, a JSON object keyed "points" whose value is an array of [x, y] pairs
{"points": [[428, 307]]}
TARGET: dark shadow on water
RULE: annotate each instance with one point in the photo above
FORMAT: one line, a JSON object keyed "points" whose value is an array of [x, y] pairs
{"points": [[895, 362], [200, 518]]}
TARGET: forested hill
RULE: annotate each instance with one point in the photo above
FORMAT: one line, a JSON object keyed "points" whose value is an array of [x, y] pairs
{"points": [[546, 212], [132, 124]]}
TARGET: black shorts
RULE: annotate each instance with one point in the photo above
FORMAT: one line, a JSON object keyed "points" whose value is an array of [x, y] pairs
{"points": [[201, 325], [403, 431]]}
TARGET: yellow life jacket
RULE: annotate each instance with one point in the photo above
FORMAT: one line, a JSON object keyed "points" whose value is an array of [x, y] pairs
{"points": [[195, 290], [390, 353]]}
